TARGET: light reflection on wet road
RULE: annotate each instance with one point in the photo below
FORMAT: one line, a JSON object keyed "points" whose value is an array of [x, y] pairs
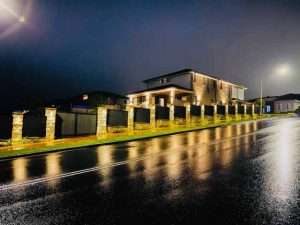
{"points": [[246, 173]]}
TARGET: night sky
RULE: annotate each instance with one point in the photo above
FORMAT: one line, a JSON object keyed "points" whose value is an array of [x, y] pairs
{"points": [[68, 47]]}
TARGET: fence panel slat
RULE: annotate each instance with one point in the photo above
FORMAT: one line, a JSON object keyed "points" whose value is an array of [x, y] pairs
{"points": [[34, 125], [117, 118], [5, 126], [240, 109], [65, 124], [208, 110], [180, 112], [231, 110], [249, 110], [86, 124], [220, 109], [162, 113], [141, 115], [195, 110]]}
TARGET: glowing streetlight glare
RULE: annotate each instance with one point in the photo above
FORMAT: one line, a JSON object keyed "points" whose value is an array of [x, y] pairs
{"points": [[282, 70], [21, 19]]}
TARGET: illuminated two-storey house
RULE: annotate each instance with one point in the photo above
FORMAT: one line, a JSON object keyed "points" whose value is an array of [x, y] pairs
{"points": [[187, 87]]}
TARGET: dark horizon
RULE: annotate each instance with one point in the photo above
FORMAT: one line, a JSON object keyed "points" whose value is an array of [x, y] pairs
{"points": [[65, 49]]}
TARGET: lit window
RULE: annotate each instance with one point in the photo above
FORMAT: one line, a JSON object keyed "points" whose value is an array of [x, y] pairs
{"points": [[85, 97], [268, 108], [163, 80]]}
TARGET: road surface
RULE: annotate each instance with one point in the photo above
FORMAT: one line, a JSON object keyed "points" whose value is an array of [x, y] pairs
{"points": [[248, 173]]}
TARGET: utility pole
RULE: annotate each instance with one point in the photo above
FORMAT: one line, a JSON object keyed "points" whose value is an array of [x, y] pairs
{"points": [[261, 92]]}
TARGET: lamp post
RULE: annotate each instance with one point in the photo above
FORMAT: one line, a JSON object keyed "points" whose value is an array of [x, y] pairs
{"points": [[261, 91]]}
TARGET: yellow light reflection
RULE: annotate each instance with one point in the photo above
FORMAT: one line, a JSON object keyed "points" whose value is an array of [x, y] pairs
{"points": [[155, 147], [133, 154], [20, 169], [105, 160]]}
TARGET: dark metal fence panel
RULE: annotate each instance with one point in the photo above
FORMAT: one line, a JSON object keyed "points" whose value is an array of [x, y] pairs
{"points": [[220, 109], [249, 110], [208, 110], [86, 124], [257, 109], [34, 125], [117, 118], [240, 109], [65, 124], [141, 115], [162, 113], [179, 112], [5, 126], [195, 110], [231, 110], [72, 124]]}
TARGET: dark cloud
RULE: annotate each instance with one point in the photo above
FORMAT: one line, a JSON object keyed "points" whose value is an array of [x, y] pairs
{"points": [[70, 47]]}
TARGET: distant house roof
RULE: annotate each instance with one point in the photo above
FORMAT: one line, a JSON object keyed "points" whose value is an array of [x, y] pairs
{"points": [[77, 98], [162, 87], [180, 72], [104, 93], [290, 96], [266, 98]]}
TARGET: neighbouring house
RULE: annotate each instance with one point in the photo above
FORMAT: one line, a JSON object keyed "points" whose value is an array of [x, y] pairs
{"points": [[86, 103], [268, 104], [187, 86], [287, 103], [286, 106], [280, 104]]}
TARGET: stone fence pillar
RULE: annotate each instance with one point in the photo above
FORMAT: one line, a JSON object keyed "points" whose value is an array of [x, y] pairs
{"points": [[245, 110], [152, 116], [215, 113], [226, 112], [172, 109], [101, 120], [130, 110], [252, 109], [17, 127], [188, 114], [202, 111], [50, 114], [236, 110]]}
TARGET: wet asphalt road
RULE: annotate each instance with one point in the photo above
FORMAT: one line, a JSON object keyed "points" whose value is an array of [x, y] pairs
{"points": [[247, 173]]}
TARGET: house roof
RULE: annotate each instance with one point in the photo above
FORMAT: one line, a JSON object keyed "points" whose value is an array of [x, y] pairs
{"points": [[271, 98], [180, 72], [163, 87], [77, 97], [290, 96]]}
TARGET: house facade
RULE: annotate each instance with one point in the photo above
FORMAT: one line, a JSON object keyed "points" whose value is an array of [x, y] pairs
{"points": [[187, 87], [280, 104], [286, 106]]}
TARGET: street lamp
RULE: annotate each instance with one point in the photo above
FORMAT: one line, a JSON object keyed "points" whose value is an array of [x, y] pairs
{"points": [[282, 70], [21, 19]]}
